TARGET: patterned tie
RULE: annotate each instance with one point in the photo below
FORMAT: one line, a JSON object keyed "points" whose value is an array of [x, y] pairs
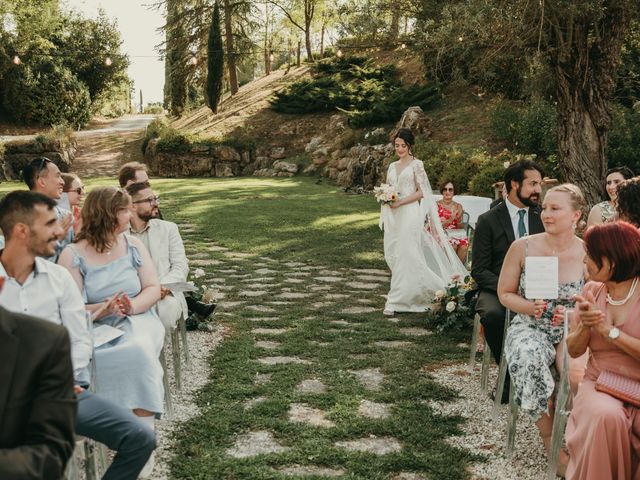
{"points": [[522, 230]]}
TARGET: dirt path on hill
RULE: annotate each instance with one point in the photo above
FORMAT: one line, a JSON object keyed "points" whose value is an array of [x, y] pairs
{"points": [[102, 154]]}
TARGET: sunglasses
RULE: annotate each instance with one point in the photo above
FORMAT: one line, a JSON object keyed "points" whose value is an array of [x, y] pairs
{"points": [[151, 200], [449, 189], [79, 190]]}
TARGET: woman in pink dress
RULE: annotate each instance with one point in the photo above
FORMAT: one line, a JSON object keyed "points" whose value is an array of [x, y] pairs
{"points": [[451, 213], [603, 433]]}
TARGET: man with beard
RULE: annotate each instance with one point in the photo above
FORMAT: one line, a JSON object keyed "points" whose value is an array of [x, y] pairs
{"points": [[37, 287], [517, 216], [164, 243]]}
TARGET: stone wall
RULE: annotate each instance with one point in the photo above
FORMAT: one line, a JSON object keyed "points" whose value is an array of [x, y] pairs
{"points": [[20, 152]]}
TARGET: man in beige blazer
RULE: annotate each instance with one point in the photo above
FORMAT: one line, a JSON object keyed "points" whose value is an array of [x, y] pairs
{"points": [[164, 243]]}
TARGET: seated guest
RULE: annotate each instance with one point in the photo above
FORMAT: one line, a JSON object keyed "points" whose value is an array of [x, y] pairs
{"points": [[604, 212], [43, 176], [132, 172], [450, 213], [500, 199], [105, 262], [496, 229], [533, 335], [627, 201], [603, 433], [164, 243], [40, 288], [37, 403], [74, 193]]}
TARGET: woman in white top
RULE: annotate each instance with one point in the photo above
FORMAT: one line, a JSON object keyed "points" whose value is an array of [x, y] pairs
{"points": [[604, 212]]}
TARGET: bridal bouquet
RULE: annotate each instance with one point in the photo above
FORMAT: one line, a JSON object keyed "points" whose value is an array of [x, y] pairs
{"points": [[385, 194], [451, 310]]}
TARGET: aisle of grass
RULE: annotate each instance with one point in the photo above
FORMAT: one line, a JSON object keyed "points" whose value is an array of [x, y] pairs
{"points": [[327, 235]]}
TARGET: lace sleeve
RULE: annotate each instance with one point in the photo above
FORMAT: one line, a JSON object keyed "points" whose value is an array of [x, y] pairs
{"points": [[387, 179], [420, 174]]}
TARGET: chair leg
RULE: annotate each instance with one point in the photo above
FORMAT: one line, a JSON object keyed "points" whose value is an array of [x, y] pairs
{"points": [[511, 423], [72, 471], [559, 421], [165, 383], [502, 369], [484, 374], [91, 467], [175, 353], [182, 324], [474, 342]]}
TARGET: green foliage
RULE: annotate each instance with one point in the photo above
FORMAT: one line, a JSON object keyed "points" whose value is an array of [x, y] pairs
{"points": [[215, 61], [155, 129], [154, 109], [61, 134], [2, 150], [369, 94], [451, 311], [45, 94], [624, 138]]}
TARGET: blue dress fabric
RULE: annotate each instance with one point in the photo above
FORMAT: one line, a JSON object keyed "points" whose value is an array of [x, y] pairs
{"points": [[128, 369]]}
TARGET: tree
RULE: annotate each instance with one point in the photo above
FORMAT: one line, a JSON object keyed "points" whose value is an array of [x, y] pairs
{"points": [[231, 54], [308, 8], [177, 44], [215, 61]]}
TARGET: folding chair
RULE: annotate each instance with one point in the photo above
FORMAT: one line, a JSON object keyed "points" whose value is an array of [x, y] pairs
{"points": [[486, 355]]}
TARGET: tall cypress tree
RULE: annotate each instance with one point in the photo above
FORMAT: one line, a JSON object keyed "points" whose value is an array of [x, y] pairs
{"points": [[215, 61]]}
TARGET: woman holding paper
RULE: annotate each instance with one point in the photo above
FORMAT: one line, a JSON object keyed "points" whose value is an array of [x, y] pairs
{"points": [[104, 262], [534, 335], [603, 433]]}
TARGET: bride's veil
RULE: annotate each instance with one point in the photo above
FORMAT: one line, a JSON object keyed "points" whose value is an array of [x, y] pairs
{"points": [[440, 256]]}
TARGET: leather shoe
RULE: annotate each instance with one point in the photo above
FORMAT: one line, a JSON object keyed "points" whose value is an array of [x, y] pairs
{"points": [[505, 395], [201, 308]]}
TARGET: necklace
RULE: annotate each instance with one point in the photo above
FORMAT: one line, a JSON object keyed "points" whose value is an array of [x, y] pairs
{"points": [[632, 290]]}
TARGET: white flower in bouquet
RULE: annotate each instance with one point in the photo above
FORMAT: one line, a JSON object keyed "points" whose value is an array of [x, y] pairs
{"points": [[385, 194], [451, 306], [198, 272], [440, 294]]}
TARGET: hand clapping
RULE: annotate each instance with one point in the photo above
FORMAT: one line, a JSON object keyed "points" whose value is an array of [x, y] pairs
{"points": [[589, 315]]}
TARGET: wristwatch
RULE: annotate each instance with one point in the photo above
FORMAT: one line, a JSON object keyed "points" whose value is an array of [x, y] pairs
{"points": [[614, 333]]}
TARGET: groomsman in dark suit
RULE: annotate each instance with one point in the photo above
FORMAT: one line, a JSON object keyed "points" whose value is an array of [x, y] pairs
{"points": [[496, 230]]}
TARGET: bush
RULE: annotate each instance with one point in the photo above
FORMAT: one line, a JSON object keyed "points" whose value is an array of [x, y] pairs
{"points": [[46, 94], [154, 110], [624, 138], [63, 134]]}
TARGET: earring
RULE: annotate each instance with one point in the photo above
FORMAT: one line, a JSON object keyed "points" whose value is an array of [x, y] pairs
{"points": [[574, 226]]}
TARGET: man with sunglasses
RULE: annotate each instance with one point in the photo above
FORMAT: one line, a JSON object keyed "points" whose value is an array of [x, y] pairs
{"points": [[43, 176], [164, 243]]}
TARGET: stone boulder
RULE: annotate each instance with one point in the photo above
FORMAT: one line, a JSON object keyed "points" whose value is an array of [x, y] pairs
{"points": [[281, 166], [18, 153], [415, 119]]}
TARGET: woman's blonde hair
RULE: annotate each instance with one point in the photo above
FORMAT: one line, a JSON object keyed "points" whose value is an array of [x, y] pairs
{"points": [[577, 201], [100, 216]]}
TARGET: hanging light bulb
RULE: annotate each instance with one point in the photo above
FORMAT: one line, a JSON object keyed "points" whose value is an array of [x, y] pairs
{"points": [[403, 46], [16, 60], [460, 39], [339, 53], [108, 62], [193, 61]]}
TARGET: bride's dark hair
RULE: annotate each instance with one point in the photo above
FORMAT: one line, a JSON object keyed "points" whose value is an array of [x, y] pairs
{"points": [[406, 135]]}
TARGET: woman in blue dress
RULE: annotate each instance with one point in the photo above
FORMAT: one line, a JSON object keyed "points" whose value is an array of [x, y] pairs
{"points": [[106, 263]]}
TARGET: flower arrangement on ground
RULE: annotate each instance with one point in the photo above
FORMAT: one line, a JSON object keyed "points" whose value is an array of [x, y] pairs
{"points": [[385, 194], [202, 294], [451, 309]]}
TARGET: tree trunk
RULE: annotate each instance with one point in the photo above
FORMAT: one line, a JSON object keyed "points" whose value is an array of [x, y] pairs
{"points": [[322, 41], [231, 54], [394, 30], [584, 70], [309, 9]]}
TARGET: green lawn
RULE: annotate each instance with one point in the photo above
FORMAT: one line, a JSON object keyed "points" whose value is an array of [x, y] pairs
{"points": [[326, 234]]}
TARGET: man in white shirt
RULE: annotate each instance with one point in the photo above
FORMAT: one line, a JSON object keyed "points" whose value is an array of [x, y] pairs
{"points": [[43, 176], [164, 243], [45, 290]]}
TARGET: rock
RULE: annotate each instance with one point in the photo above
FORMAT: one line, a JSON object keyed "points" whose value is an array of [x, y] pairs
{"points": [[311, 386], [322, 151], [374, 410], [416, 120], [374, 445], [371, 378], [265, 172], [303, 471], [223, 170], [313, 144], [255, 443], [285, 166], [302, 413], [277, 153], [225, 153], [283, 360]]}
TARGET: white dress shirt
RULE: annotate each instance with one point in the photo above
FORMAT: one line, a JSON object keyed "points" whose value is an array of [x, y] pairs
{"points": [[515, 218], [50, 293]]}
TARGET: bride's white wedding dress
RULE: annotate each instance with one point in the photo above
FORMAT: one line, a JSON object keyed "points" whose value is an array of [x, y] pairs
{"points": [[421, 261]]}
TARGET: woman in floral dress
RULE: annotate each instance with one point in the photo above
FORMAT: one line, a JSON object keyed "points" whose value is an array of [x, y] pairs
{"points": [[450, 213]]}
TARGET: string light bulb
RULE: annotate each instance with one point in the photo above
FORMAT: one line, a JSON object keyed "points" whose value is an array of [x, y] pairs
{"points": [[339, 53], [403, 46], [108, 62], [16, 60], [193, 60], [460, 39]]}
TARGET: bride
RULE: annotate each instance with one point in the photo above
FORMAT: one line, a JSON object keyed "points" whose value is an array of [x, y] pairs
{"points": [[421, 259]]}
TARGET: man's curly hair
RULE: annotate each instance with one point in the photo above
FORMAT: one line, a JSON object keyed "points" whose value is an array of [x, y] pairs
{"points": [[628, 201]]}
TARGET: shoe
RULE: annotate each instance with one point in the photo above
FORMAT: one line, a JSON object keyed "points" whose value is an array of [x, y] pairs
{"points": [[201, 308], [388, 313], [505, 396]]}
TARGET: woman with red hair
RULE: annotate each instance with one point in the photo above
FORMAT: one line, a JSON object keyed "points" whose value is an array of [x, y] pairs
{"points": [[603, 434]]}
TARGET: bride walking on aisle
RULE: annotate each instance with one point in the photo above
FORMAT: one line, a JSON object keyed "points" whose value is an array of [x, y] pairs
{"points": [[421, 259]]}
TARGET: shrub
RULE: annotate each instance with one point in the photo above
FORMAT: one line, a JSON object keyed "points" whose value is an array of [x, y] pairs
{"points": [[153, 109], [2, 150], [154, 130], [490, 172], [63, 134], [624, 138]]}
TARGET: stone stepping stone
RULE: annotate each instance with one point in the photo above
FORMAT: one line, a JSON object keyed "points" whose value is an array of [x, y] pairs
{"points": [[393, 344], [328, 279], [252, 293], [371, 378], [311, 385], [205, 263], [262, 378], [265, 271], [302, 413], [216, 248], [249, 404], [372, 271], [240, 275], [199, 255], [330, 272], [258, 286], [227, 270], [340, 322], [294, 264], [362, 286], [293, 295], [410, 476], [364, 301], [335, 296], [416, 332], [374, 445], [255, 443], [359, 310], [311, 317], [260, 308], [309, 268], [374, 410], [216, 280], [268, 345], [226, 288], [280, 303], [269, 331], [321, 304], [310, 471], [320, 344], [229, 304], [293, 280], [283, 360], [264, 319], [359, 356], [373, 278], [238, 255], [259, 279], [298, 274]]}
